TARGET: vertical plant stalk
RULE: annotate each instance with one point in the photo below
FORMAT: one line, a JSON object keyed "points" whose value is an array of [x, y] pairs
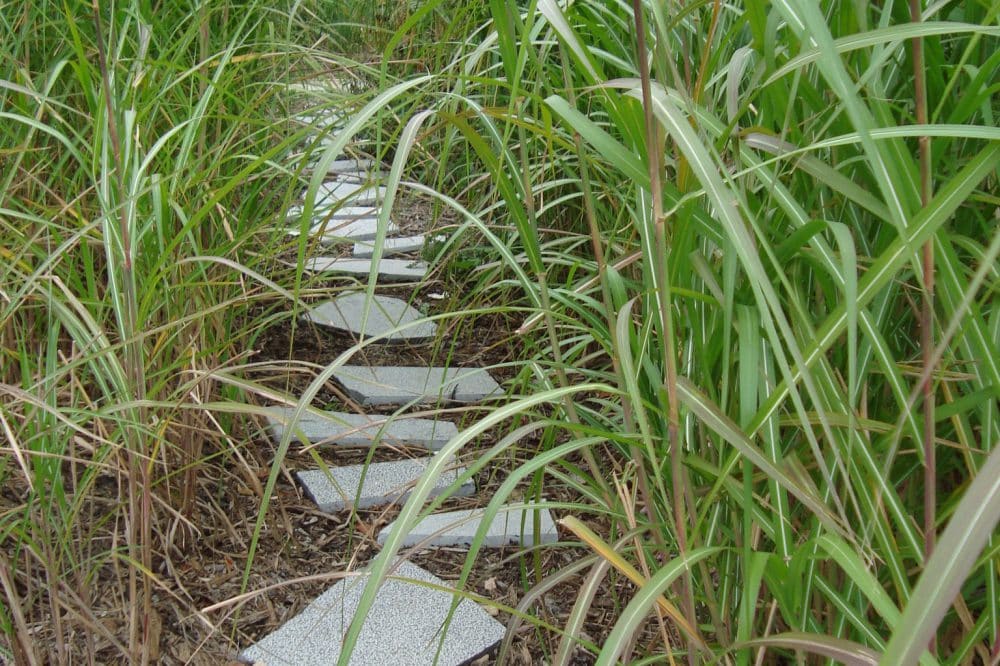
{"points": [[139, 531], [927, 310], [597, 246], [550, 326], [202, 91], [685, 50], [666, 321], [683, 168], [506, 30], [21, 642], [596, 241]]}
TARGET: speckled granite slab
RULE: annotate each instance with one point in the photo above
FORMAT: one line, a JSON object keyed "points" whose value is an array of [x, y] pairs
{"points": [[384, 483], [358, 194], [391, 247], [385, 317], [388, 270], [339, 229], [510, 527], [345, 429], [405, 626], [394, 385]]}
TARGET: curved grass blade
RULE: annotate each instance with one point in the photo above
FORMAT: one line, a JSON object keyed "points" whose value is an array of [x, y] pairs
{"points": [[650, 592], [607, 552], [410, 512], [714, 418], [843, 651], [973, 523]]}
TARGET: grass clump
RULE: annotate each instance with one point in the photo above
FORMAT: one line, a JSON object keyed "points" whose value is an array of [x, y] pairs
{"points": [[138, 164], [754, 252]]}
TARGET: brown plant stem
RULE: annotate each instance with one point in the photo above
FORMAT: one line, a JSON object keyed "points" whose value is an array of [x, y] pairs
{"points": [[596, 242], [686, 590], [927, 309]]}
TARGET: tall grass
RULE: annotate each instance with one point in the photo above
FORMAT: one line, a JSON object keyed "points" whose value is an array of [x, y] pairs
{"points": [[714, 217], [139, 151], [753, 256]]}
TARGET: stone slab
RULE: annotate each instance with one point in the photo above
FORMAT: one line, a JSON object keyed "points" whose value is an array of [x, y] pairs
{"points": [[321, 121], [359, 194], [385, 314], [351, 166], [402, 628], [393, 385], [389, 270], [355, 213], [512, 526], [346, 429], [384, 483], [350, 197], [391, 247], [345, 169], [353, 178], [323, 210], [340, 229]]}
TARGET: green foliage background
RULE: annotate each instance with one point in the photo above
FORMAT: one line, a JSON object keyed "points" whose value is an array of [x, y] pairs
{"points": [[719, 280]]}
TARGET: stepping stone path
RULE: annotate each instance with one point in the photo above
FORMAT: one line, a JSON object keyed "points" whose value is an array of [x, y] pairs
{"points": [[338, 229], [411, 621], [337, 488], [349, 166], [346, 190], [324, 213], [391, 247]]}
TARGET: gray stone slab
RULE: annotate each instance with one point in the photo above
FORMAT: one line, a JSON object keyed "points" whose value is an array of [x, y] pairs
{"points": [[349, 197], [389, 270], [391, 247], [384, 483], [512, 526], [404, 626], [321, 121], [357, 193], [326, 210], [393, 385], [345, 168], [346, 429], [355, 178], [351, 166], [355, 213], [336, 229], [385, 314]]}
